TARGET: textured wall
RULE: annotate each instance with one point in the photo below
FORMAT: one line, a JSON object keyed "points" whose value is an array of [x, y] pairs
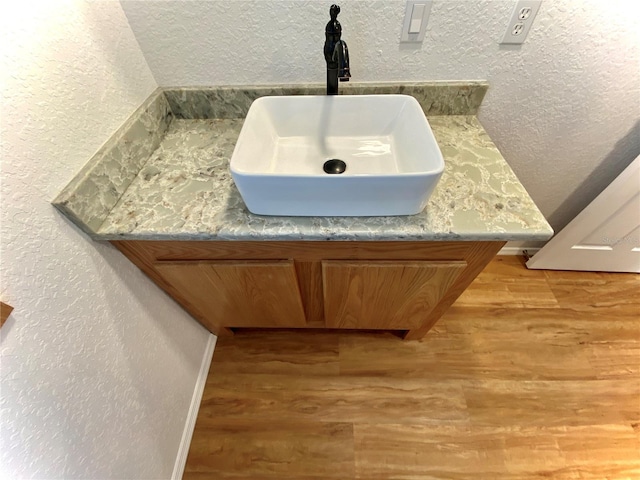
{"points": [[97, 365], [563, 108]]}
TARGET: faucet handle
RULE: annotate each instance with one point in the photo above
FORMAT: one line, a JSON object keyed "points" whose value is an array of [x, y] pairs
{"points": [[333, 26], [334, 10]]}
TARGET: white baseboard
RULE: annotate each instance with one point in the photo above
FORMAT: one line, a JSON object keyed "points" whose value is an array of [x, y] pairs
{"points": [[517, 251], [190, 424]]}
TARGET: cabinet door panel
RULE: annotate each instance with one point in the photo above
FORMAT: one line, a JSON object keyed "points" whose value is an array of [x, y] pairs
{"points": [[239, 293], [384, 295]]}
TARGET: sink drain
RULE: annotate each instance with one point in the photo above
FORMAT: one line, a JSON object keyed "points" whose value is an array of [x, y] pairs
{"points": [[334, 166]]}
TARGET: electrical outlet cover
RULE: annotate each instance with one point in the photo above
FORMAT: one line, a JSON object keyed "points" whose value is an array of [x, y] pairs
{"points": [[522, 16]]}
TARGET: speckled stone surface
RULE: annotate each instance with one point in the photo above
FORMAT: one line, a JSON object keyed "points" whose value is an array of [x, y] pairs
{"points": [[185, 191], [436, 98], [91, 195], [161, 178]]}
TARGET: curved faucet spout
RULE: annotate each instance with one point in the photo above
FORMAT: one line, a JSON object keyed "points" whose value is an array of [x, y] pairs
{"points": [[341, 57]]}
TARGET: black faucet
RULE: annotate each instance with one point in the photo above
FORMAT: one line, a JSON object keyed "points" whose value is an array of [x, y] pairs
{"points": [[336, 53]]}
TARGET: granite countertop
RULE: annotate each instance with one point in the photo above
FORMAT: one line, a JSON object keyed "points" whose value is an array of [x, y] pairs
{"points": [[184, 191]]}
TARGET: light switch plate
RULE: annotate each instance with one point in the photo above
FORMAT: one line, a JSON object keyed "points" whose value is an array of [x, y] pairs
{"points": [[416, 16]]}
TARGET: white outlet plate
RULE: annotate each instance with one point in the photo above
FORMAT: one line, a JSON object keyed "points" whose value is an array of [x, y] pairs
{"points": [[416, 16], [524, 12]]}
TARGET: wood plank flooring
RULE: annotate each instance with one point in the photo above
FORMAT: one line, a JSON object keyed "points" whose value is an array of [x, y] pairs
{"points": [[531, 374]]}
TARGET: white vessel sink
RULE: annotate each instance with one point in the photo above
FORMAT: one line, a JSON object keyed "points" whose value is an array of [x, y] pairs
{"points": [[392, 159]]}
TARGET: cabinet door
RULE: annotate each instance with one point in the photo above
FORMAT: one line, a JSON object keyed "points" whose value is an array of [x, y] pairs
{"points": [[238, 293], [384, 295]]}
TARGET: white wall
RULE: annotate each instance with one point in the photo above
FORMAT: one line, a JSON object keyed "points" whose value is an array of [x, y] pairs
{"points": [[563, 108], [97, 365]]}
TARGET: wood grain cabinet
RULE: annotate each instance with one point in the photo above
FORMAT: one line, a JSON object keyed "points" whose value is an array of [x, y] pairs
{"points": [[241, 294], [384, 295], [402, 286]]}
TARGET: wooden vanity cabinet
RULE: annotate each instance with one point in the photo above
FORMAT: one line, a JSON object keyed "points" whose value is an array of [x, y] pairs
{"points": [[402, 286], [252, 293]]}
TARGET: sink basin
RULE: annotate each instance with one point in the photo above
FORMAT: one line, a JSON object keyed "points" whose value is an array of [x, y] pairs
{"points": [[391, 159]]}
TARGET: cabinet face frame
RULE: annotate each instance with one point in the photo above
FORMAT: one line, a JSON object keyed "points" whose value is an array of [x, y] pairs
{"points": [[307, 257]]}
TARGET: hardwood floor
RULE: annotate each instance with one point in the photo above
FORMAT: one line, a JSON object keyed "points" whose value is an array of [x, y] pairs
{"points": [[531, 374]]}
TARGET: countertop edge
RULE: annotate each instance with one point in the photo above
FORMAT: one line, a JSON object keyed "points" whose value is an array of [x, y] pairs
{"points": [[533, 237]]}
